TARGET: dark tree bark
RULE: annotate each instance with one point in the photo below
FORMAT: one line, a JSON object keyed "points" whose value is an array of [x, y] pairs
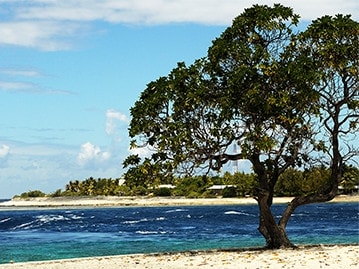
{"points": [[274, 234]]}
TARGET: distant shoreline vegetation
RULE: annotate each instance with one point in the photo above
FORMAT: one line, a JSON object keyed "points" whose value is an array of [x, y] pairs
{"points": [[292, 183]]}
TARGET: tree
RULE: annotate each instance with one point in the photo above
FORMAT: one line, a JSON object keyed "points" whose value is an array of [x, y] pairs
{"points": [[254, 89], [268, 93], [350, 178], [144, 175], [331, 44], [290, 183], [315, 180]]}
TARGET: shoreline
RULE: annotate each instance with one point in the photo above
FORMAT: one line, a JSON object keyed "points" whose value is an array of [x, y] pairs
{"points": [[305, 256], [119, 201]]}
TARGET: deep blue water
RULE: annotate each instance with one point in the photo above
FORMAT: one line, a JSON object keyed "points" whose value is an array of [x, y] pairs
{"points": [[42, 234]]}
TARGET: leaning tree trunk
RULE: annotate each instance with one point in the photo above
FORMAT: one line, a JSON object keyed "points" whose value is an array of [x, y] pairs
{"points": [[274, 234]]}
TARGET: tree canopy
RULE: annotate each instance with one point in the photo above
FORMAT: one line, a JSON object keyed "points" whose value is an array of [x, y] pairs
{"points": [[265, 88]]}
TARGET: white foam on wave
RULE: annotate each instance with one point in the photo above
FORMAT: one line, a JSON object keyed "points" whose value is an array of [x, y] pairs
{"points": [[236, 213], [75, 217], [24, 226], [176, 210], [5, 220], [49, 218], [150, 232], [134, 221]]}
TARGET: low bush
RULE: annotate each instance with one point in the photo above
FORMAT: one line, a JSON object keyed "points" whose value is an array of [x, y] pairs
{"points": [[229, 192], [162, 192], [32, 194]]}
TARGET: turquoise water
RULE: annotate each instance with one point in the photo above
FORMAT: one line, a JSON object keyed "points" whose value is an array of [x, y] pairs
{"points": [[32, 235]]}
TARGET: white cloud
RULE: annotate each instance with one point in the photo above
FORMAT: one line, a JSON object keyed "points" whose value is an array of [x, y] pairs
{"points": [[52, 24], [164, 11], [44, 35], [20, 72], [4, 151], [28, 87], [112, 117], [141, 151], [11, 81], [47, 167], [16, 86], [91, 155]]}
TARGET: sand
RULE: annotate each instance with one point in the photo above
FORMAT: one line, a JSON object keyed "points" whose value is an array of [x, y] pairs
{"points": [[143, 201], [328, 257]]}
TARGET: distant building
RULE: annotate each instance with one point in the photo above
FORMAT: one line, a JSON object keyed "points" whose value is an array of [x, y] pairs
{"points": [[165, 186], [168, 186], [353, 190]]}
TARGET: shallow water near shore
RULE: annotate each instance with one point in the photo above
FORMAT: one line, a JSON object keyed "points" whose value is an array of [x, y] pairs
{"points": [[32, 235]]}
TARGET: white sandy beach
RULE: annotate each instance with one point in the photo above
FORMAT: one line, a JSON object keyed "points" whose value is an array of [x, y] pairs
{"points": [[328, 257], [144, 201]]}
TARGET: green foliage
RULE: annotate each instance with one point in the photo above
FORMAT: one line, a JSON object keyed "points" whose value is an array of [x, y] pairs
{"points": [[295, 183], [146, 174], [193, 195], [316, 180], [289, 183], [350, 177], [162, 192], [124, 190], [57, 193], [192, 186], [264, 88], [92, 187], [245, 183], [248, 90], [331, 46], [208, 194], [139, 191], [229, 192], [32, 194]]}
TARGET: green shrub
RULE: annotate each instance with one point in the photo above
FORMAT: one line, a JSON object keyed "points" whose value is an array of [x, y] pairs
{"points": [[33, 194], [123, 190], [193, 194], [140, 191], [208, 194], [57, 193], [229, 192], [162, 192]]}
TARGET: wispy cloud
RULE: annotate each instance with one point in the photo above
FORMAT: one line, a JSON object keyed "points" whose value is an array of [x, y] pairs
{"points": [[112, 118], [52, 24], [28, 87], [17, 86], [13, 80], [20, 72], [4, 151]]}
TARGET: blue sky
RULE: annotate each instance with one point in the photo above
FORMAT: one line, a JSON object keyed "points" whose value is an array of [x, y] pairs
{"points": [[70, 71]]}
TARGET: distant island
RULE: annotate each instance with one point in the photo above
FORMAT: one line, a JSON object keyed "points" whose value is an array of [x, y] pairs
{"points": [[103, 201], [292, 183]]}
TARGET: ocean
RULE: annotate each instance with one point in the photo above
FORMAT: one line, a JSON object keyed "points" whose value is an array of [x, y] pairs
{"points": [[44, 234]]}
